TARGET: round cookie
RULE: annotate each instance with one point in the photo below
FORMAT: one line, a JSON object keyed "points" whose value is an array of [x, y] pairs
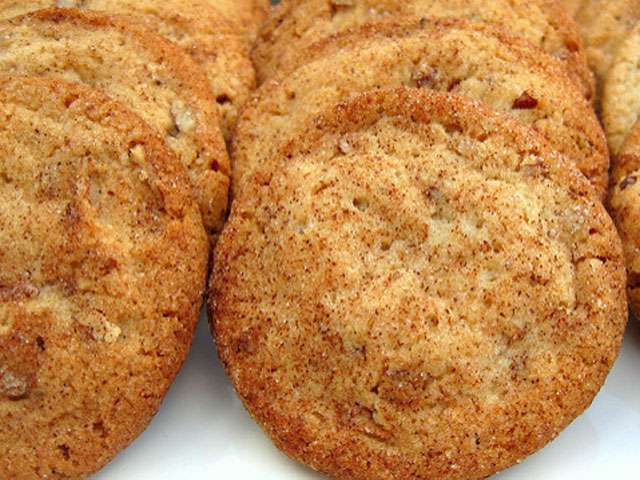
{"points": [[603, 24], [297, 23], [625, 209], [411, 293], [103, 259], [194, 26], [471, 59], [149, 74], [621, 95]]}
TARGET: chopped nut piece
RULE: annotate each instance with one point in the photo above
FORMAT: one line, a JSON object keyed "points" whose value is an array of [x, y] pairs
{"points": [[137, 153], [344, 146], [101, 329], [12, 385], [425, 76], [183, 118], [525, 102], [630, 180]]}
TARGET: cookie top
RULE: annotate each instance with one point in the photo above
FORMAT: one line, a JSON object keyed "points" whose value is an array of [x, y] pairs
{"points": [[202, 31], [625, 208], [411, 293], [103, 258], [603, 24], [472, 59], [296, 23], [621, 95], [149, 74]]}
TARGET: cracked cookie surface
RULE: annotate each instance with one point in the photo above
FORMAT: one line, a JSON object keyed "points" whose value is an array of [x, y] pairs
{"points": [[420, 288], [103, 259], [148, 74]]}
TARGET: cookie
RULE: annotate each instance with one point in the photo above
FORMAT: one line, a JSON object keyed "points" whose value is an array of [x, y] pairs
{"points": [[603, 24], [297, 23], [149, 74], [625, 209], [411, 294], [621, 95], [194, 25], [458, 56], [247, 15], [103, 258]]}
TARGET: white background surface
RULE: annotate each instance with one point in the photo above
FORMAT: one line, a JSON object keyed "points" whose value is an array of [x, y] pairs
{"points": [[203, 432]]}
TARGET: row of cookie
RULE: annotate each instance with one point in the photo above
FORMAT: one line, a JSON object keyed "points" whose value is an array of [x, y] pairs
{"points": [[506, 71], [175, 82], [111, 140], [415, 280], [215, 33], [603, 25], [611, 33]]}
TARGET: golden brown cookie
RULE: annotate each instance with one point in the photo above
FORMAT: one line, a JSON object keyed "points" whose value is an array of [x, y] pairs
{"points": [[621, 95], [625, 209], [472, 59], [411, 294], [298, 23], [603, 24], [153, 77], [103, 259], [194, 25]]}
